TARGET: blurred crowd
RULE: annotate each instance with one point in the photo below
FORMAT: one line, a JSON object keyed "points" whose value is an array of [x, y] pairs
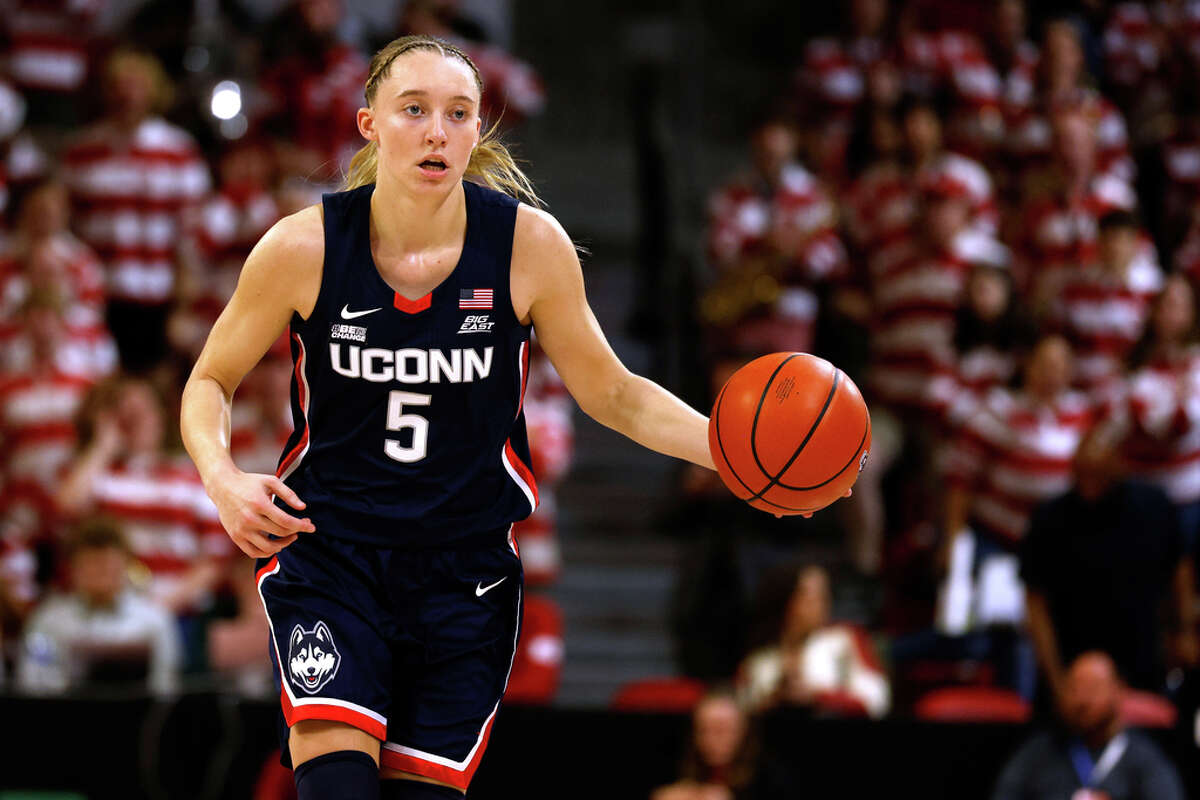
{"points": [[144, 149], [988, 215]]}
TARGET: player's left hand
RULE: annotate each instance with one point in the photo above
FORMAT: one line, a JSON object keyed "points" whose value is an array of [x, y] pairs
{"points": [[808, 514]]}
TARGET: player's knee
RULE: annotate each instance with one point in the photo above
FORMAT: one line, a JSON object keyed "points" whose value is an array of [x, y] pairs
{"points": [[402, 789], [340, 775], [311, 738]]}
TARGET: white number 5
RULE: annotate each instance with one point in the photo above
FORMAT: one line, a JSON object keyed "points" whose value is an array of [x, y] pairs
{"points": [[397, 420]]}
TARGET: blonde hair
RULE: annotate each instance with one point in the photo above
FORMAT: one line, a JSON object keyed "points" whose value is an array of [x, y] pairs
{"points": [[127, 59], [490, 164]]}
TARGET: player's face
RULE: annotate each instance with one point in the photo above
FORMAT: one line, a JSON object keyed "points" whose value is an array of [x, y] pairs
{"points": [[425, 119]]}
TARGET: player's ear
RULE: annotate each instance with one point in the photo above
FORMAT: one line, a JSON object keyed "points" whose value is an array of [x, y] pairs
{"points": [[297, 635], [322, 632], [366, 124]]}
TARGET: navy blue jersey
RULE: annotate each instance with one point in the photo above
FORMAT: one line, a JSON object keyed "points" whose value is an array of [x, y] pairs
{"points": [[408, 420]]}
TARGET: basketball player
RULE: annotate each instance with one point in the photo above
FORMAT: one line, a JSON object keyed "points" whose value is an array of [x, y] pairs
{"points": [[390, 579]]}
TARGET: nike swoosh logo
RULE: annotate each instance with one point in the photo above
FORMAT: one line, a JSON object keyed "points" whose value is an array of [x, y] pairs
{"points": [[481, 590], [348, 314]]}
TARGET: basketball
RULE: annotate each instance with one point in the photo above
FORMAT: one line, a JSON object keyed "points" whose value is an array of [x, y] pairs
{"points": [[789, 433]]}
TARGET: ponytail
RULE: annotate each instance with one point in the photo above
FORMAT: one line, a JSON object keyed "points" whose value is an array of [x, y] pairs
{"points": [[363, 167], [490, 164], [494, 166]]}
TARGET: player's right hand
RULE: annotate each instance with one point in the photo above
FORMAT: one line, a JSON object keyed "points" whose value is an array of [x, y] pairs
{"points": [[250, 517]]}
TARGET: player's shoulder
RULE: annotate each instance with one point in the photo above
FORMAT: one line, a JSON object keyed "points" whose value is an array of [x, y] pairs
{"points": [[538, 232], [298, 238]]}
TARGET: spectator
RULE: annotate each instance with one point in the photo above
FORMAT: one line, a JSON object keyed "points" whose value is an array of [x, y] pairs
{"points": [[1062, 85], [917, 283], [1163, 404], [719, 763], [1012, 453], [830, 668], [313, 87], [227, 226], [1012, 54], [772, 238], [38, 404], [124, 470], [833, 75], [40, 333], [43, 256], [101, 627], [132, 176], [1092, 755], [991, 332], [882, 205], [51, 45], [1061, 210], [1098, 562], [1103, 307]]}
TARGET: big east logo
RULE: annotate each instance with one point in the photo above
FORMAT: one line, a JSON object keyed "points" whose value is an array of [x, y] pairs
{"points": [[313, 659]]}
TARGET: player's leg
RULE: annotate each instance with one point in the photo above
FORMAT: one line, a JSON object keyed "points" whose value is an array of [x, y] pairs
{"points": [[467, 608], [334, 760], [332, 664]]}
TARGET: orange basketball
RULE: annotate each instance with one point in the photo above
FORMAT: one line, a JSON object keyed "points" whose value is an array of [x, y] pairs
{"points": [[789, 433]]}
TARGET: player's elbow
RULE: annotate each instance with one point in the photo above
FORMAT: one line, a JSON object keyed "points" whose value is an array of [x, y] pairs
{"points": [[610, 401]]}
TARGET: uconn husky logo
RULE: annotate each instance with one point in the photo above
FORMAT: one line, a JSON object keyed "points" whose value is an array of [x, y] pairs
{"points": [[313, 658]]}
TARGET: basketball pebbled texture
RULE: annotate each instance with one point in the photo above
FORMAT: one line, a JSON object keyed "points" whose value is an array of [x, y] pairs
{"points": [[789, 433]]}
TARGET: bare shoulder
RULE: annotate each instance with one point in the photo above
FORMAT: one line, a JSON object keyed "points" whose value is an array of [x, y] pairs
{"points": [[297, 239], [288, 259], [537, 231], [543, 259]]}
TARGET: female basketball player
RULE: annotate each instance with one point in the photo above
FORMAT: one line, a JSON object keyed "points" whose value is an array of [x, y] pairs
{"points": [[393, 590]]}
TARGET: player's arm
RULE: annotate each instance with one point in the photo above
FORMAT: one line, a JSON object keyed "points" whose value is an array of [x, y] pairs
{"points": [[282, 275], [547, 287]]}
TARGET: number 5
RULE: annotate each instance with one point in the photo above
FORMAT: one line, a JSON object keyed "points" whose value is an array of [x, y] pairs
{"points": [[397, 420]]}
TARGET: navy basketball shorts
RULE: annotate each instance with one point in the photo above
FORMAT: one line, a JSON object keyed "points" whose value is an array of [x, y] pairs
{"points": [[412, 646]]}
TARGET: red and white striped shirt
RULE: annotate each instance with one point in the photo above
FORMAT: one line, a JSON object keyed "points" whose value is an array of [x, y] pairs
{"points": [[316, 96], [744, 218], [1030, 135], [1130, 51], [37, 425], [49, 42], [1162, 413], [958, 392], [130, 196], [1104, 315], [882, 205], [1059, 233], [169, 521], [1013, 454], [916, 294], [222, 233]]}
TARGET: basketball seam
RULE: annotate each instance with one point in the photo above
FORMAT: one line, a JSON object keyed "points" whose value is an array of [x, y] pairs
{"points": [[733, 472], [762, 398], [834, 477], [774, 479]]}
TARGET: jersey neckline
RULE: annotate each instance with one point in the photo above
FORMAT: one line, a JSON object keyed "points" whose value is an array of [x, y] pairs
{"points": [[399, 301]]}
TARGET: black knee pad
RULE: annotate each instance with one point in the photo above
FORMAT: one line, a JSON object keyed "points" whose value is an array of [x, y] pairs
{"points": [[398, 789], [341, 775]]}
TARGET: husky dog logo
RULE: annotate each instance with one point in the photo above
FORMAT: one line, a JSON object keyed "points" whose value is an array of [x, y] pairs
{"points": [[312, 657]]}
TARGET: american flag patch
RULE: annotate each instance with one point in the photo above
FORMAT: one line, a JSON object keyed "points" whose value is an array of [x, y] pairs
{"points": [[475, 298]]}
